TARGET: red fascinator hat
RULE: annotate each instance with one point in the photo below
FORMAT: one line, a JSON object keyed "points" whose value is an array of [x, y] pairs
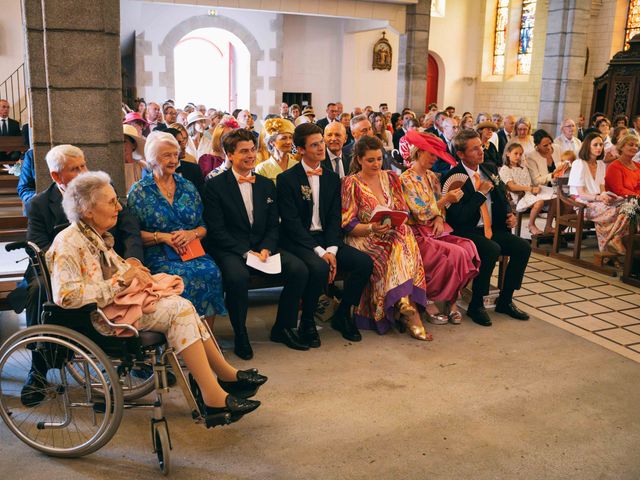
{"points": [[414, 140]]}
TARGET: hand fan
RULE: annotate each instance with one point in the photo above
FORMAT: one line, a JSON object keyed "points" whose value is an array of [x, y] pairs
{"points": [[454, 181]]}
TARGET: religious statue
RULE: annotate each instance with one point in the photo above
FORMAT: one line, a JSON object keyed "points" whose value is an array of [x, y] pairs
{"points": [[382, 54]]}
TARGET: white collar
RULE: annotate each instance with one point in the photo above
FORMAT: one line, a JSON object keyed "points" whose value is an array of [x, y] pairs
{"points": [[307, 168]]}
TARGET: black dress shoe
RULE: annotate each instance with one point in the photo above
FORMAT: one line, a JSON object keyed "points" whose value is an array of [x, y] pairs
{"points": [[234, 409], [508, 308], [345, 324], [309, 334], [289, 337], [243, 348], [247, 384], [480, 316], [34, 389]]}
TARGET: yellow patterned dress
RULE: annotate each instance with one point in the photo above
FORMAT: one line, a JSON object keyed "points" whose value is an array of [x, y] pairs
{"points": [[397, 265]]}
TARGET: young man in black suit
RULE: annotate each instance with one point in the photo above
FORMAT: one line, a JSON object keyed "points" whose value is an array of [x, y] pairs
{"points": [[45, 218], [310, 205], [241, 214], [484, 216], [8, 128]]}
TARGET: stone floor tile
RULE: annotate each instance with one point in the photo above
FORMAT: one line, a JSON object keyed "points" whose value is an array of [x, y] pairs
{"points": [[562, 311], [588, 281], [540, 287], [562, 297], [589, 323], [563, 284], [612, 290], [522, 292], [587, 294], [537, 301], [634, 347], [541, 276], [618, 318], [635, 313], [590, 307], [632, 298], [544, 266], [564, 273], [615, 303], [619, 335], [634, 328]]}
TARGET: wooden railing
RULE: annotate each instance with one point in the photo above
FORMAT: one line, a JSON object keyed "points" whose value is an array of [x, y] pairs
{"points": [[14, 91]]}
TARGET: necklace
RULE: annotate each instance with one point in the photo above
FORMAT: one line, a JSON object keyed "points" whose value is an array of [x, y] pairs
{"points": [[167, 192]]}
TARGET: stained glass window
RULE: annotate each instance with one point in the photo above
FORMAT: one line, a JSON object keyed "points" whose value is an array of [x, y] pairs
{"points": [[500, 36], [633, 22], [525, 47]]}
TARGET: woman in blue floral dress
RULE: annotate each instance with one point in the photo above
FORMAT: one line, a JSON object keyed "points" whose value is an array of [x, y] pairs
{"points": [[169, 209]]}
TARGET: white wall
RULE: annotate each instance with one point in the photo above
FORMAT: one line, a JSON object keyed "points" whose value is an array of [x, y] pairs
{"points": [[362, 85], [11, 41]]}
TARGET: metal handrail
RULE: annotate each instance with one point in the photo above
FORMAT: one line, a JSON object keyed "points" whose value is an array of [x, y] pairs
{"points": [[14, 90]]}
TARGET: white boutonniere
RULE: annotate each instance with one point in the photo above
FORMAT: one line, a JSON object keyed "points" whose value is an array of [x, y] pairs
{"points": [[269, 200], [306, 192], [495, 179]]}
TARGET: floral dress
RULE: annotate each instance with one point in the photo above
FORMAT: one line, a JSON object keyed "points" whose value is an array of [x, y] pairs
{"points": [[449, 261], [201, 276], [397, 265]]}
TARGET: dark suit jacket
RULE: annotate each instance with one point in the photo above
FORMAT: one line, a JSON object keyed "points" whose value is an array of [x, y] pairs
{"points": [[13, 128], [397, 135], [346, 160], [45, 218], [442, 167], [503, 139], [465, 215], [296, 210], [192, 172], [323, 122], [228, 229]]}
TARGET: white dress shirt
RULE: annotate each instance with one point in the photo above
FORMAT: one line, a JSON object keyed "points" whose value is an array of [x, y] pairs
{"points": [[483, 177], [563, 144], [246, 191], [332, 159], [316, 224]]}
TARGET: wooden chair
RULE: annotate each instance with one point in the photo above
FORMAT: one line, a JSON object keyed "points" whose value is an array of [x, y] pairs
{"points": [[574, 219]]}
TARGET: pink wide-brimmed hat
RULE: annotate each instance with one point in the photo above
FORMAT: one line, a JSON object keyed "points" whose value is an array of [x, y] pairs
{"points": [[414, 140]]}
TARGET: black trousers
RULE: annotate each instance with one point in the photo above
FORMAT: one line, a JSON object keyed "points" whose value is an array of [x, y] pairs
{"points": [[358, 264], [502, 243], [236, 276]]}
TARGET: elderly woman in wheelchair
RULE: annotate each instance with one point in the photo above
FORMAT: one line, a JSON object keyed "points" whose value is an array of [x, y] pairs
{"points": [[85, 269]]}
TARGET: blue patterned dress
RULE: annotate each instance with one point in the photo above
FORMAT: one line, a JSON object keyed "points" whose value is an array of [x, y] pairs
{"points": [[201, 276]]}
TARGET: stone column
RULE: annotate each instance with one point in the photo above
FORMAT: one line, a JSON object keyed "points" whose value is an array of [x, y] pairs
{"points": [[564, 61], [74, 83], [412, 58]]}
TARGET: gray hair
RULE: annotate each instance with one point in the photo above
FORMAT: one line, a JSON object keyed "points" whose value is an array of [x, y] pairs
{"points": [[57, 156], [155, 140], [80, 195], [356, 120]]}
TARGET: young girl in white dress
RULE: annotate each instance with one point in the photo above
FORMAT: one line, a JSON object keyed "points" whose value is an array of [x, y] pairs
{"points": [[523, 193]]}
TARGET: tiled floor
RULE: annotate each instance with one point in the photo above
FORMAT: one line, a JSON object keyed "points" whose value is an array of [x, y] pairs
{"points": [[599, 308]]}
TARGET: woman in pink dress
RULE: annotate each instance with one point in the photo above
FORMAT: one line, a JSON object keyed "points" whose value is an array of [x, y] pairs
{"points": [[449, 261]]}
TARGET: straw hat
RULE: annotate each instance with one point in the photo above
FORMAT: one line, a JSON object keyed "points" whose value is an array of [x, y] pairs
{"points": [[486, 124], [131, 132], [195, 117], [308, 112]]}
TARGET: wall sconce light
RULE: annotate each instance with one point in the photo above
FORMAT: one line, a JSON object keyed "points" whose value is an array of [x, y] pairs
{"points": [[468, 80], [212, 13]]}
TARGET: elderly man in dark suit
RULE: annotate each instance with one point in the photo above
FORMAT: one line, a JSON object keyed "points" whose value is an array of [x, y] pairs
{"points": [[310, 206], [335, 135], [484, 216], [332, 116], [45, 218], [241, 214], [8, 128]]}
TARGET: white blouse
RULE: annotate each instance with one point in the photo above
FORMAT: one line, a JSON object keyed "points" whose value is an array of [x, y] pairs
{"points": [[580, 176]]}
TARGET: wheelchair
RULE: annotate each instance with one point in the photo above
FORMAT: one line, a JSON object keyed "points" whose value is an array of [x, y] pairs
{"points": [[88, 382]]}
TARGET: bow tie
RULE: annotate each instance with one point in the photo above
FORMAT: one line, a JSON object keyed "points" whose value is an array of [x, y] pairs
{"points": [[317, 171], [250, 179]]}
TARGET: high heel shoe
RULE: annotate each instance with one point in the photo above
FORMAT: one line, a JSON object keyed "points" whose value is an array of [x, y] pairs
{"points": [[419, 333], [436, 318], [406, 308], [247, 384]]}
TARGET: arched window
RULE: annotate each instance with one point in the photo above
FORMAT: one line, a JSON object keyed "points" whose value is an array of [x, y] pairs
{"points": [[633, 22], [525, 47], [500, 36]]}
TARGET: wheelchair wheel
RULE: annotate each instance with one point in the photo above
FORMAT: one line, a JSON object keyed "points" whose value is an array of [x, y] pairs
{"points": [[67, 419], [133, 387], [162, 445]]}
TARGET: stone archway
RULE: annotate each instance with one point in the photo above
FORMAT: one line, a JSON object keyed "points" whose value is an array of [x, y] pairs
{"points": [[172, 38]]}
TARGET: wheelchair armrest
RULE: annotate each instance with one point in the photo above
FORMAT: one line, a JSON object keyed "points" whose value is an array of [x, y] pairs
{"points": [[125, 326]]}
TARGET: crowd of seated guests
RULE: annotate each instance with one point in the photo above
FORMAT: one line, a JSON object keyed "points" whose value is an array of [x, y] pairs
{"points": [[308, 192]]}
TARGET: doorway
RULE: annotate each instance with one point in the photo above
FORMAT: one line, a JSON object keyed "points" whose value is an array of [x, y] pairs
{"points": [[432, 80]]}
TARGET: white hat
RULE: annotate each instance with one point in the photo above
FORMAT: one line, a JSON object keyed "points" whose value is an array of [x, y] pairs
{"points": [[131, 132], [194, 117]]}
